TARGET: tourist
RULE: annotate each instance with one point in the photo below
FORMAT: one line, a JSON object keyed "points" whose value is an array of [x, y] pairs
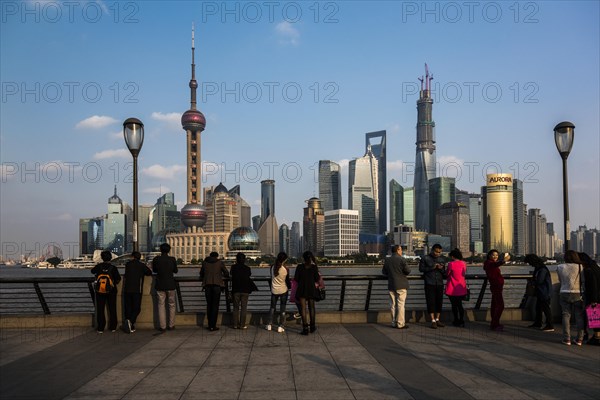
{"points": [[591, 292], [456, 286], [307, 276], [280, 284], [570, 275], [212, 273], [543, 293], [107, 279], [241, 287], [434, 270], [164, 266], [396, 269], [133, 283], [492, 269]]}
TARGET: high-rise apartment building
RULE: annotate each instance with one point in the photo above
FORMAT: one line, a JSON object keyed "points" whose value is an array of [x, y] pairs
{"points": [[363, 193], [538, 232], [330, 185], [396, 204], [376, 141], [313, 223], [222, 211], [441, 190], [519, 245], [453, 220], [165, 217], [497, 204], [340, 235], [425, 160], [475, 222]]}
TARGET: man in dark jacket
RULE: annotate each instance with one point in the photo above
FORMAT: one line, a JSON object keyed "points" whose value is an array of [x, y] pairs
{"points": [[212, 273], [433, 268], [135, 270], [164, 267], [396, 269], [106, 299], [543, 292]]}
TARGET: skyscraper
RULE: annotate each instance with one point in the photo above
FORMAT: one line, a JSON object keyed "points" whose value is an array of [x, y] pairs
{"points": [[268, 232], [498, 217], [222, 211], [363, 193], [284, 239], [115, 226], [193, 215], [313, 224], [425, 168], [538, 232], [330, 185], [295, 240], [453, 221], [379, 150], [475, 222], [441, 190], [267, 199], [396, 204], [519, 220], [340, 234], [409, 207]]}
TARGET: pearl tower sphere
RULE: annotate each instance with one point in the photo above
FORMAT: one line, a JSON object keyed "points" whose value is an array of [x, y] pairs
{"points": [[193, 122]]}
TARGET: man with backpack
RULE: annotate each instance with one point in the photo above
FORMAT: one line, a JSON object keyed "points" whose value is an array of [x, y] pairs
{"points": [[135, 270], [105, 286]]}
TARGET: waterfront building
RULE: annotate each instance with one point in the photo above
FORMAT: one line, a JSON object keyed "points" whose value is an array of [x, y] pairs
{"points": [[267, 199], [475, 223], [425, 160], [396, 204], [453, 221], [363, 194], [409, 206], [84, 224], [497, 205], [519, 222], [95, 235], [284, 239], [221, 210], [538, 232], [243, 239], [115, 226], [441, 190], [376, 141], [164, 216], [330, 185], [313, 224], [340, 233], [295, 240]]}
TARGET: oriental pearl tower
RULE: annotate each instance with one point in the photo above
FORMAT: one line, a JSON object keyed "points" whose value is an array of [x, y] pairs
{"points": [[193, 215]]}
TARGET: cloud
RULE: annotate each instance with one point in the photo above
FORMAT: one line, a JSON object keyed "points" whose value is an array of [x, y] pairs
{"points": [[287, 33], [116, 135], [61, 217], [117, 153], [160, 190], [95, 122], [172, 120], [397, 165], [161, 172]]}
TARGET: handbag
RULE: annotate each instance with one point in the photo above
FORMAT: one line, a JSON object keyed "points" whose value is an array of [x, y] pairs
{"points": [[321, 294], [593, 316], [468, 295], [530, 288]]}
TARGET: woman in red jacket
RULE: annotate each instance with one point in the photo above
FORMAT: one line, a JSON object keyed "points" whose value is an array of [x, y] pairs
{"points": [[456, 286], [492, 269]]}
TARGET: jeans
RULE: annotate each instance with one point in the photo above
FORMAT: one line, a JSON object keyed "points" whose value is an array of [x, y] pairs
{"points": [[542, 306], [212, 294], [102, 301], [497, 306], [162, 317], [240, 300], [397, 301], [434, 296], [132, 305], [571, 303], [282, 303]]}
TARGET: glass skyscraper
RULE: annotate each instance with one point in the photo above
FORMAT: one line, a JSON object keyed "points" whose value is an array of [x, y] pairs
{"points": [[409, 207], [519, 218], [267, 199], [363, 194], [396, 204], [441, 190], [378, 148], [330, 185]]}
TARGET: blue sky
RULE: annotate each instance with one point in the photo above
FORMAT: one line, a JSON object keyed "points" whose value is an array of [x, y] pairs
{"points": [[283, 85]]}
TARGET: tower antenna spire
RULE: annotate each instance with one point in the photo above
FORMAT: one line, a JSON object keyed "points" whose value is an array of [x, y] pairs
{"points": [[193, 83]]}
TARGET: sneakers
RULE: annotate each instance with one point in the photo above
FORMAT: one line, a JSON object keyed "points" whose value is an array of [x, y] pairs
{"points": [[434, 325], [128, 326], [439, 324], [566, 341], [280, 329], [297, 315], [579, 342], [244, 327], [99, 332], [269, 327], [132, 328], [403, 327], [548, 329]]}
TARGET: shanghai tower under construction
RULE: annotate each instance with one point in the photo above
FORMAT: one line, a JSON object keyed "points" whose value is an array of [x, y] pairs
{"points": [[425, 163]]}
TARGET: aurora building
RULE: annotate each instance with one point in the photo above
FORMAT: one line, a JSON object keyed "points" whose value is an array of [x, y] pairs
{"points": [[498, 218]]}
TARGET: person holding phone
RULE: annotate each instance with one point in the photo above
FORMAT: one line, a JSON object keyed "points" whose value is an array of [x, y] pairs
{"points": [[492, 269], [433, 268]]}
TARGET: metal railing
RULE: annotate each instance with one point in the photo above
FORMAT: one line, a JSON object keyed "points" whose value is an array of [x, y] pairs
{"points": [[344, 293]]}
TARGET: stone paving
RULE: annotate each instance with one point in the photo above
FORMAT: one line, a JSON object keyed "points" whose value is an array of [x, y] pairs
{"points": [[339, 361]]}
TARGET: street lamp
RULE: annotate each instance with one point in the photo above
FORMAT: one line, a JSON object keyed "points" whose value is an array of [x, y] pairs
{"points": [[564, 134], [133, 131]]}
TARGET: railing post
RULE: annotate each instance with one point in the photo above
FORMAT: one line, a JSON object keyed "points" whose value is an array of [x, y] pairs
{"points": [[179, 299], [92, 292], [40, 296], [369, 289], [342, 295], [481, 294]]}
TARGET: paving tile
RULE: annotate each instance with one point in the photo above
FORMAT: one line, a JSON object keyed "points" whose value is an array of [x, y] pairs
{"points": [[269, 376], [210, 380]]}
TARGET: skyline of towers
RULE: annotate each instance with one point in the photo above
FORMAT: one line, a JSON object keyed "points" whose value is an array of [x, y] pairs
{"points": [[363, 193], [330, 185], [379, 150], [425, 159]]}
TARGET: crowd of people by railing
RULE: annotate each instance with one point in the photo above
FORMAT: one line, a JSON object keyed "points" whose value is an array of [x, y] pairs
{"points": [[579, 279]]}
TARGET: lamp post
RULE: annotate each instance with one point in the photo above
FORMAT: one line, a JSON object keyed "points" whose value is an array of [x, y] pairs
{"points": [[133, 131], [564, 134]]}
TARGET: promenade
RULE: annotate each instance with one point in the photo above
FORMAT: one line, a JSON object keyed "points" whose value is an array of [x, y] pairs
{"points": [[339, 361]]}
